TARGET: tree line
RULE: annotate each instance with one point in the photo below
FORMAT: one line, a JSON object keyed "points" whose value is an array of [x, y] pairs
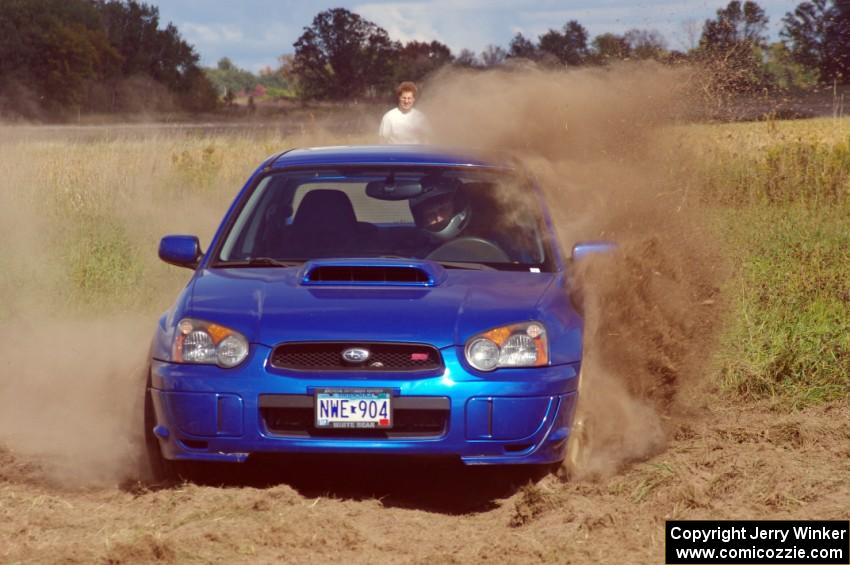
{"points": [[72, 56], [60, 57], [342, 55]]}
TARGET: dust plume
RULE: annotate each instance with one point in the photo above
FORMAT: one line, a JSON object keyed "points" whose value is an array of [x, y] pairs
{"points": [[81, 216], [600, 143], [70, 396], [81, 288]]}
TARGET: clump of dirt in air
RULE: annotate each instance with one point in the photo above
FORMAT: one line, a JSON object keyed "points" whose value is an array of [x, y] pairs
{"points": [[598, 141]]}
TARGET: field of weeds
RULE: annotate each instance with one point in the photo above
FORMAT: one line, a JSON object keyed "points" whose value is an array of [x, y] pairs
{"points": [[764, 435], [782, 197], [81, 219]]}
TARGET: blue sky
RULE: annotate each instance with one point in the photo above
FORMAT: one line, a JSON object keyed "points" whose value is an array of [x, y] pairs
{"points": [[254, 32]]}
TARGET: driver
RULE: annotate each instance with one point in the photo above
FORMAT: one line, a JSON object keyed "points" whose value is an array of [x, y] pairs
{"points": [[443, 211]]}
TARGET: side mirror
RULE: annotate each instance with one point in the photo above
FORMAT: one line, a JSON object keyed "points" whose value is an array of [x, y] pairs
{"points": [[583, 249], [181, 250]]}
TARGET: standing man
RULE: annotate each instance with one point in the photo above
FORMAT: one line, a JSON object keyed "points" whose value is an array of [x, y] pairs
{"points": [[404, 124]]}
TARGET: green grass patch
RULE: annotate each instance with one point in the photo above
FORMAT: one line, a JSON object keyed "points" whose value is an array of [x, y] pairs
{"points": [[789, 333], [102, 263]]}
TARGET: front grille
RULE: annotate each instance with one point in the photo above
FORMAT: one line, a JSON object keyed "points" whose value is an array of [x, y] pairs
{"points": [[327, 356], [413, 417]]}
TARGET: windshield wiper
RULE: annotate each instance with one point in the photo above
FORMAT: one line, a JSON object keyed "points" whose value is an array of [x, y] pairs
{"points": [[258, 262], [465, 265]]}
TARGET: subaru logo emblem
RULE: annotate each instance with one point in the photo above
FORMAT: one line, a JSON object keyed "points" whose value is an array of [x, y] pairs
{"points": [[355, 355]]}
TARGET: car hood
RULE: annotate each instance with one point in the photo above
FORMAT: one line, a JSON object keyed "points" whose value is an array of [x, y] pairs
{"points": [[274, 305]]}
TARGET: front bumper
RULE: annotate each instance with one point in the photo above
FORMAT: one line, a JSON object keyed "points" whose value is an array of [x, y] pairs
{"points": [[510, 416]]}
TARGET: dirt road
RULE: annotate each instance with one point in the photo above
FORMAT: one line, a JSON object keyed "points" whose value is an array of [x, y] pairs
{"points": [[731, 462]]}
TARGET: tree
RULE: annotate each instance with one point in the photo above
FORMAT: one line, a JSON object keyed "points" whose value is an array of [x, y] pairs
{"points": [[227, 77], [646, 44], [522, 48], [133, 30], [817, 34], [229, 98], [281, 82], [195, 92], [634, 44], [569, 47], [84, 55], [418, 59], [732, 46], [735, 25], [51, 50], [467, 59], [691, 29], [785, 72], [342, 55], [493, 56], [275, 83], [610, 46]]}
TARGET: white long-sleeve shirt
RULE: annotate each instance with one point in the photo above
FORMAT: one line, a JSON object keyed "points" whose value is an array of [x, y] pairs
{"points": [[399, 127]]}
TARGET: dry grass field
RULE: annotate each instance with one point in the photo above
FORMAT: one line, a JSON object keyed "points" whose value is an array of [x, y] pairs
{"points": [[754, 427]]}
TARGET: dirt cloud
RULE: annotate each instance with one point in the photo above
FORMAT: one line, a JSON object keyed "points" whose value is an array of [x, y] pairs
{"points": [[601, 144], [70, 396]]}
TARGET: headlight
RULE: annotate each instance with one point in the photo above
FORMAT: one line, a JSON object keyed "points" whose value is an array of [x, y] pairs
{"points": [[517, 345], [196, 341]]}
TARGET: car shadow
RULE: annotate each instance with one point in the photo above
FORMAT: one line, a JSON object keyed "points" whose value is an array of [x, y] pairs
{"points": [[435, 485]]}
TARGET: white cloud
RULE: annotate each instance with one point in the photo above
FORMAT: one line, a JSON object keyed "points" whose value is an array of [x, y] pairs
{"points": [[402, 21], [471, 24], [211, 33]]}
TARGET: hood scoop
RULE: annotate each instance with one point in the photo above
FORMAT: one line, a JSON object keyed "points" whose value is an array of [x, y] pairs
{"points": [[371, 272]]}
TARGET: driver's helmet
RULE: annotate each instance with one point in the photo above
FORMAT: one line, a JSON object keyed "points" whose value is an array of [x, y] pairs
{"points": [[443, 209]]}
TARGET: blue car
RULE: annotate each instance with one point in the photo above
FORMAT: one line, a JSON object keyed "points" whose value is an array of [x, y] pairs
{"points": [[401, 300]]}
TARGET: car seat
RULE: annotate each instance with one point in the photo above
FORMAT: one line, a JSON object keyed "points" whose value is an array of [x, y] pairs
{"points": [[324, 225]]}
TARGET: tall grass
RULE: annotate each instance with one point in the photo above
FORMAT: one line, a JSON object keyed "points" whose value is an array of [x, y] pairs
{"points": [[80, 220], [802, 172], [784, 199], [789, 334]]}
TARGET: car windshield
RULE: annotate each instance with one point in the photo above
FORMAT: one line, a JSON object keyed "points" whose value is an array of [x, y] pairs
{"points": [[458, 217]]}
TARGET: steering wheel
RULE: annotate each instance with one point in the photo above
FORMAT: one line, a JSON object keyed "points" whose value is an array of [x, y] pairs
{"points": [[470, 249]]}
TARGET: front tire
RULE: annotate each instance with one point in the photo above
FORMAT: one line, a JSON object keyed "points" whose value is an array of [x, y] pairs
{"points": [[578, 444]]}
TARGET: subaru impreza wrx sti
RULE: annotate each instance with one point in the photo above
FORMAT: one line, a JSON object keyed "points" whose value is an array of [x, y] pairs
{"points": [[404, 300]]}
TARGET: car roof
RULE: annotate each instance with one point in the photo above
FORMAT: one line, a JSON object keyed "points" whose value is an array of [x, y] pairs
{"points": [[388, 155]]}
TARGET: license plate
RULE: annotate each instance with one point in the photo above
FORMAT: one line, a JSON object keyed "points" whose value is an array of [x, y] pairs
{"points": [[353, 408]]}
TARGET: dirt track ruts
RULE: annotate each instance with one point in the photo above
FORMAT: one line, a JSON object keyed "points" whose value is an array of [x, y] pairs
{"points": [[732, 462]]}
